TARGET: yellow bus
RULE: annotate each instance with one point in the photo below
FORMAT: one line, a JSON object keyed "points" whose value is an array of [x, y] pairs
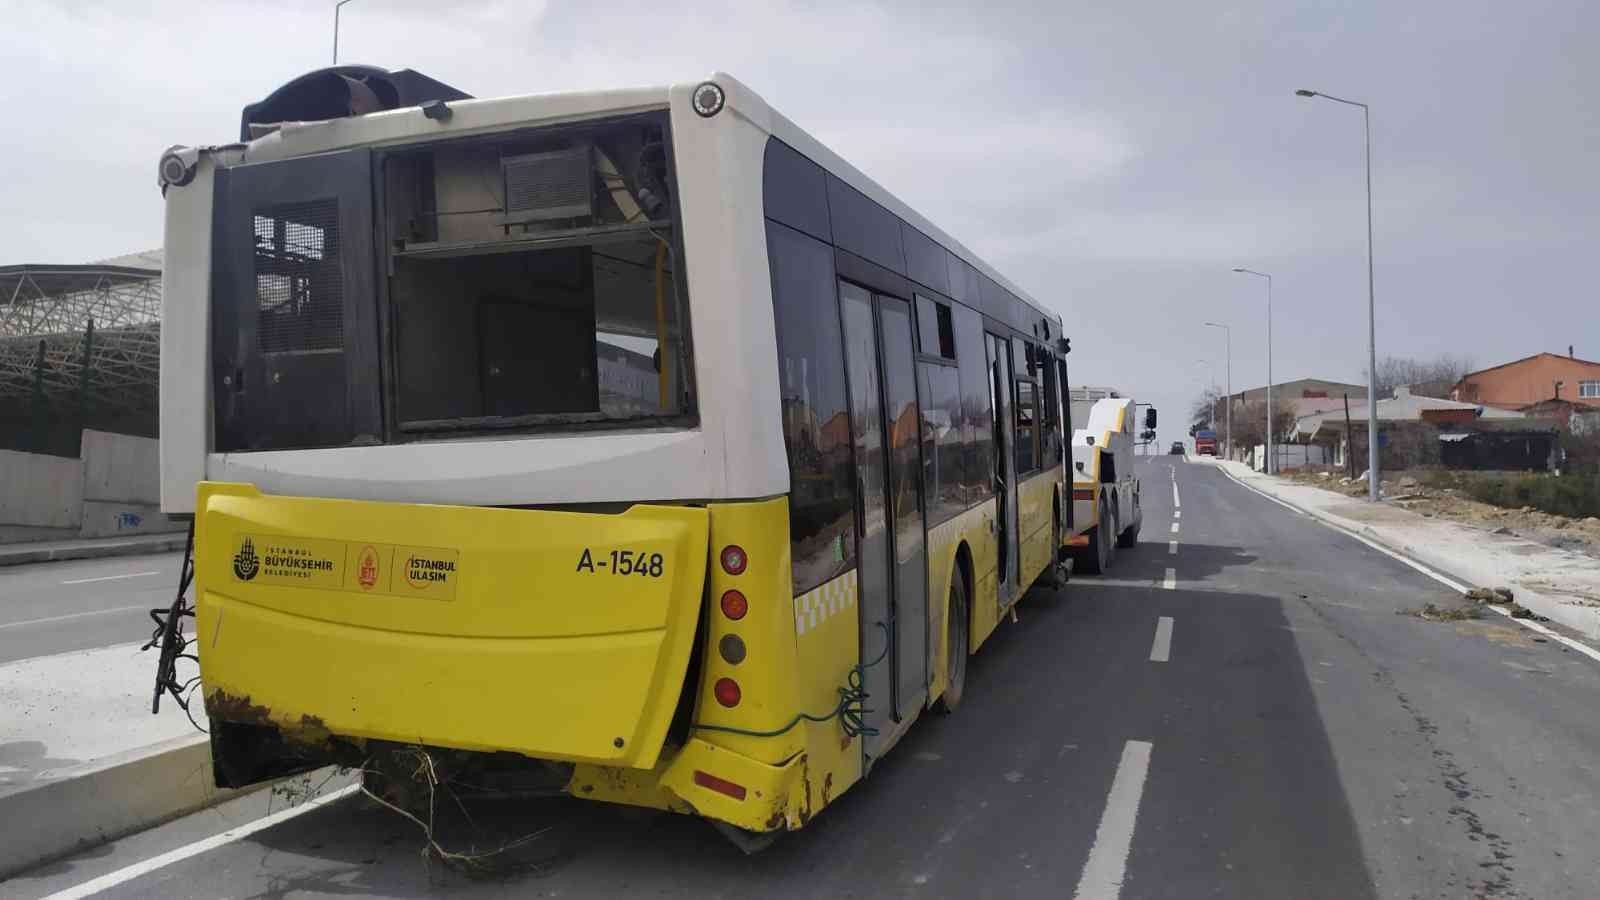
{"points": [[628, 444]]}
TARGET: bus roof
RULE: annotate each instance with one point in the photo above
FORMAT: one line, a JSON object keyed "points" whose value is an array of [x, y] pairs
{"points": [[752, 106]]}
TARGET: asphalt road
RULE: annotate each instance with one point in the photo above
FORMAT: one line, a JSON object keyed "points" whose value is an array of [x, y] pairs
{"points": [[1245, 716], [55, 607]]}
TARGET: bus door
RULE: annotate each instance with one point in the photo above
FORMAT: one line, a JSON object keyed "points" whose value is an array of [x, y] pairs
{"points": [[892, 573], [1005, 467]]}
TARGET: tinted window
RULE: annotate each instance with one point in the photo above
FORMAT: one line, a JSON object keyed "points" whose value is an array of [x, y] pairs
{"points": [[925, 261], [976, 410], [794, 190], [1025, 365], [864, 228], [1052, 411], [816, 425], [943, 429]]}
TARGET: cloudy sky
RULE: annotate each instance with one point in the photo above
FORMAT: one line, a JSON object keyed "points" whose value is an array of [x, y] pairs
{"points": [[1116, 164]]}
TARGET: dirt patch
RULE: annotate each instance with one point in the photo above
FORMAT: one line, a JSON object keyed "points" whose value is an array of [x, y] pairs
{"points": [[1507, 635], [1432, 612], [1418, 492]]}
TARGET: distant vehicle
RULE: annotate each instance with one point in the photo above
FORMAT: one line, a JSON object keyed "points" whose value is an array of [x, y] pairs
{"points": [[1177, 448], [1205, 443], [1105, 490]]}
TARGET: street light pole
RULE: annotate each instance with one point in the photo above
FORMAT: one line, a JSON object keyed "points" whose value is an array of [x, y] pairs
{"points": [[336, 7], [1272, 459], [1228, 343], [1373, 492]]}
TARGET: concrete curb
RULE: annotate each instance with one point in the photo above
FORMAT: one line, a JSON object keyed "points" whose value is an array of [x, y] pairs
{"points": [[90, 804], [1582, 620], [18, 555]]}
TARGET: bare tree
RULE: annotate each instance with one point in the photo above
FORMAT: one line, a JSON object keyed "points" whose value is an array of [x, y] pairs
{"points": [[1427, 377], [1207, 412]]}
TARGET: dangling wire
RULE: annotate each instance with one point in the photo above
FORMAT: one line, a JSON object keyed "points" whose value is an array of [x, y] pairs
{"points": [[170, 637], [851, 710]]}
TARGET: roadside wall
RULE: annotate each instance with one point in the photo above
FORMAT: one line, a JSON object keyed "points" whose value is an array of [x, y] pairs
{"points": [[112, 488]]}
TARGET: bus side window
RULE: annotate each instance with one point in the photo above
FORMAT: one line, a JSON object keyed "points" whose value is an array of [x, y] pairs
{"points": [[977, 433], [816, 422]]}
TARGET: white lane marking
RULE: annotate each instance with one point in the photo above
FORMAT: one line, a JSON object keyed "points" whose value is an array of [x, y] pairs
{"points": [[82, 615], [1174, 527], [1445, 580], [1108, 858], [1175, 503], [1170, 582], [1177, 514], [1161, 650], [109, 577], [128, 873], [1172, 548]]}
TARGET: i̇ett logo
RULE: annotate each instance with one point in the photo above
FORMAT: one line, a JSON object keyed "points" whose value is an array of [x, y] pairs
{"points": [[245, 563], [367, 569]]}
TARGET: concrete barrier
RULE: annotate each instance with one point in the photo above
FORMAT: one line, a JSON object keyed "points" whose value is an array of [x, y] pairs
{"points": [[101, 801], [39, 491], [112, 489]]}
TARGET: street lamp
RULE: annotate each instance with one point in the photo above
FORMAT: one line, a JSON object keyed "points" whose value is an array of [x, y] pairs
{"points": [[1228, 335], [1272, 460], [336, 7], [1372, 326]]}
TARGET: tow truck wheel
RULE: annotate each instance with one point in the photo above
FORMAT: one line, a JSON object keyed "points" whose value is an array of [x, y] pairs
{"points": [[1097, 557], [1130, 535]]}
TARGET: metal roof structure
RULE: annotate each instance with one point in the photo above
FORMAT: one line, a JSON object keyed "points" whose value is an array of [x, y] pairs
{"points": [[86, 334]]}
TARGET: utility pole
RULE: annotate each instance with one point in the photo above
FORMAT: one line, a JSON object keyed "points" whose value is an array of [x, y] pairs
{"points": [[1228, 338], [1373, 492]]}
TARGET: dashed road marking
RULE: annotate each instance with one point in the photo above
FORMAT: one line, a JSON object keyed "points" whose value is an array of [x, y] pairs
{"points": [[1161, 650], [1107, 865], [1177, 514], [1170, 580], [1174, 527], [1175, 503], [1172, 548]]}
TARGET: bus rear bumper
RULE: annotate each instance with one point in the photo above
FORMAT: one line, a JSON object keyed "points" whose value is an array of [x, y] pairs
{"points": [[703, 779]]}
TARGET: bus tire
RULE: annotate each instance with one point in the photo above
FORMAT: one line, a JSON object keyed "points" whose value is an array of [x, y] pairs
{"points": [[1097, 557], [956, 662]]}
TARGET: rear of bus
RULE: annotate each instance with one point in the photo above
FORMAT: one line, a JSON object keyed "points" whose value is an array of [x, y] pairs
{"points": [[480, 397]]}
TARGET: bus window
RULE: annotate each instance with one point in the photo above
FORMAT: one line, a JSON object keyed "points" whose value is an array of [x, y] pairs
{"points": [[977, 433], [816, 423], [534, 281], [1026, 398]]}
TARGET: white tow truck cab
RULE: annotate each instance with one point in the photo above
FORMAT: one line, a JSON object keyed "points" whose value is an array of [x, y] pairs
{"points": [[1106, 509]]}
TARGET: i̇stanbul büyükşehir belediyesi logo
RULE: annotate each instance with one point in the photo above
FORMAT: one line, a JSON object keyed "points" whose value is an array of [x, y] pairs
{"points": [[245, 563]]}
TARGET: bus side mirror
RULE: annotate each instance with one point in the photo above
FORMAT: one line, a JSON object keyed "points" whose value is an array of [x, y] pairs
{"points": [[1063, 346], [1150, 417]]}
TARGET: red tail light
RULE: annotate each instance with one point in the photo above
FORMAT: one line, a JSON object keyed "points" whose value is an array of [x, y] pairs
{"points": [[727, 692], [734, 605], [1083, 495], [733, 559], [720, 785]]}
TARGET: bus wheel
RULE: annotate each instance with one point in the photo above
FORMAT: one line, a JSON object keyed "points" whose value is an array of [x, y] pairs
{"points": [[1097, 558], [956, 664]]}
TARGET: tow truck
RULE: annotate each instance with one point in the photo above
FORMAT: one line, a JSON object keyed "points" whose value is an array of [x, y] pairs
{"points": [[1107, 512]]}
